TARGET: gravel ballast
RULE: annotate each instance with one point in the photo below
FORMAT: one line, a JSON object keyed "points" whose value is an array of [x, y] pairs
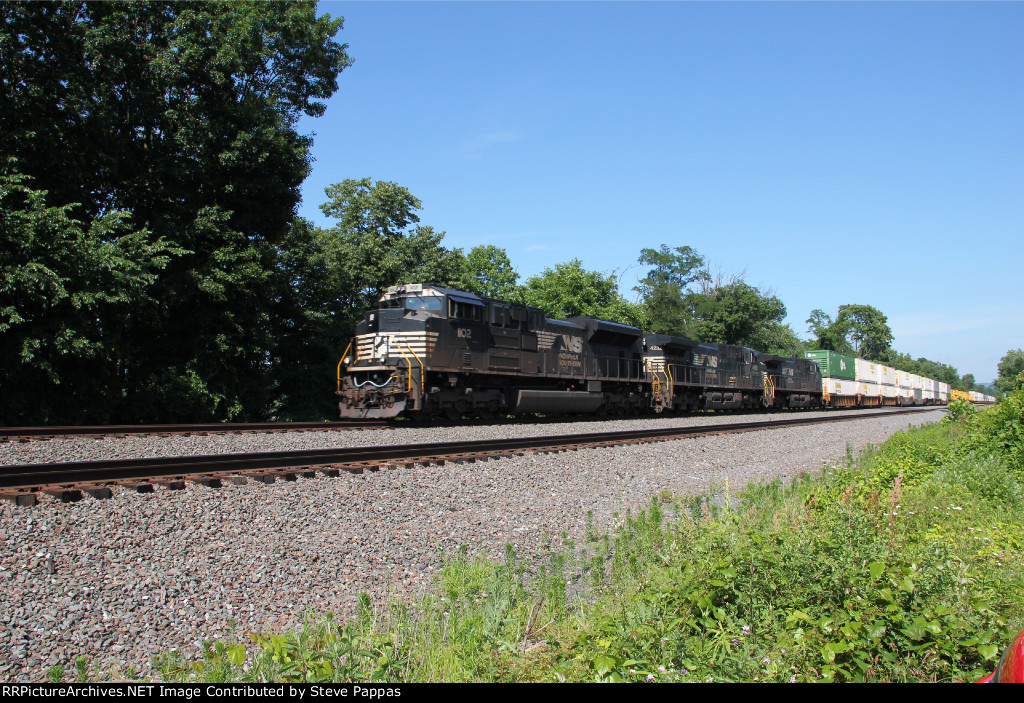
{"points": [[123, 579]]}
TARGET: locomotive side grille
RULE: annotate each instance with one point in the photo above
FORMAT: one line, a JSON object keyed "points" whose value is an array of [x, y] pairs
{"points": [[545, 339]]}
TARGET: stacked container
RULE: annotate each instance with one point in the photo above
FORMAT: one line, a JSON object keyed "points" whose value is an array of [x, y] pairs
{"points": [[905, 388], [838, 375], [890, 391], [917, 382], [943, 393], [869, 381]]}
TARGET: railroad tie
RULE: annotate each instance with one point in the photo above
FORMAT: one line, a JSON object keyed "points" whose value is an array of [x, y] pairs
{"points": [[137, 486], [171, 484], [98, 492], [64, 494], [20, 498]]}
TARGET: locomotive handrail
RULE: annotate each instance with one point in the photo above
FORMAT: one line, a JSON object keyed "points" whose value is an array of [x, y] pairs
{"points": [[408, 363], [422, 371], [341, 361]]}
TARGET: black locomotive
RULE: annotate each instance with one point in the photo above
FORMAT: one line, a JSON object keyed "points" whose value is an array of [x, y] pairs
{"points": [[438, 351]]}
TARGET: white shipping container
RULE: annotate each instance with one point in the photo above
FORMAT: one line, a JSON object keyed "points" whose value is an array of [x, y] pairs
{"points": [[868, 371], [872, 390], [890, 391], [840, 386], [943, 392], [887, 375], [903, 381]]}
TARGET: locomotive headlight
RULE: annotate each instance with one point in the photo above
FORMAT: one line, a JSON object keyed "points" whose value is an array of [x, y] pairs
{"points": [[346, 361]]}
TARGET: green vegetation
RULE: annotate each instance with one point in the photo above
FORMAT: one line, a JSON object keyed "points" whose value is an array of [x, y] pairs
{"points": [[1010, 367], [903, 565]]}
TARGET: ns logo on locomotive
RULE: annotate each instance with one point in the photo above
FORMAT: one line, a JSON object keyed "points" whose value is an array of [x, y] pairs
{"points": [[436, 351]]}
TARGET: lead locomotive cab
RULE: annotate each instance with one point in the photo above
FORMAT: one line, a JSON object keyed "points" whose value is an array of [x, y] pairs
{"points": [[383, 370], [423, 349]]}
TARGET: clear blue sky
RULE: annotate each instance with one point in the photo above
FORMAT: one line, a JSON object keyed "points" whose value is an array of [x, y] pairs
{"points": [[832, 153]]}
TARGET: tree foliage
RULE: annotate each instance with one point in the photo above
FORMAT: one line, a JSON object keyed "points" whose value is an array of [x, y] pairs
{"points": [[738, 313], [181, 119], [65, 288], [665, 288], [569, 290], [378, 242], [866, 329], [489, 273], [858, 330], [1009, 367]]}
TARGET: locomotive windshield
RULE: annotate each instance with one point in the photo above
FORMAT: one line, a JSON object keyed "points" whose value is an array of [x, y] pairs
{"points": [[414, 302]]}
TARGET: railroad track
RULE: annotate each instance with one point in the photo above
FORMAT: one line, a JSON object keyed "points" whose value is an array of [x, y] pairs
{"points": [[21, 483], [26, 434]]}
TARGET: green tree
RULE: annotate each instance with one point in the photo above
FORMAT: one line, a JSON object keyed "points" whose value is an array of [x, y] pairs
{"points": [[1009, 366], [663, 291], [378, 242], [859, 330], [569, 290], [181, 116], [489, 272], [827, 335], [866, 329], [738, 313], [65, 287]]}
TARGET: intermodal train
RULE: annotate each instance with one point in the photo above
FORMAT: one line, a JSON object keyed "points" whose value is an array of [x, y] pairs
{"points": [[427, 350]]}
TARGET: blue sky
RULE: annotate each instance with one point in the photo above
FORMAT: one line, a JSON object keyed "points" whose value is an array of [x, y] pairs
{"points": [[832, 153]]}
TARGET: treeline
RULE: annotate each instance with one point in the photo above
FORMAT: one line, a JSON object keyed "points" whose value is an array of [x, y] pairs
{"points": [[153, 267]]}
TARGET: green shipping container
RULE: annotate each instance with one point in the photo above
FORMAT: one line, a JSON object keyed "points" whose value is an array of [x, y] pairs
{"points": [[833, 364]]}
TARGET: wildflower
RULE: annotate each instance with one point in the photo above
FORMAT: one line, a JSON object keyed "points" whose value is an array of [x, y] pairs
{"points": [[735, 642], [766, 660], [650, 677], [792, 679], [746, 629], [684, 672], [661, 669]]}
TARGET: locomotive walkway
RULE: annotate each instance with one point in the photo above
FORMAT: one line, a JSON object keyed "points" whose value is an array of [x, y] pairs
{"points": [[70, 481]]}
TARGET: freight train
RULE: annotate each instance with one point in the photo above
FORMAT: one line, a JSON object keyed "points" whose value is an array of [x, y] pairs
{"points": [[433, 351]]}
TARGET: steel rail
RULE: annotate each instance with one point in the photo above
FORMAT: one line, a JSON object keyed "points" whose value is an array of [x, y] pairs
{"points": [[16, 433], [35, 476]]}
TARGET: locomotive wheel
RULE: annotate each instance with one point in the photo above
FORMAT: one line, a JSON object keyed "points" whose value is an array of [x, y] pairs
{"points": [[452, 415], [485, 414]]}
